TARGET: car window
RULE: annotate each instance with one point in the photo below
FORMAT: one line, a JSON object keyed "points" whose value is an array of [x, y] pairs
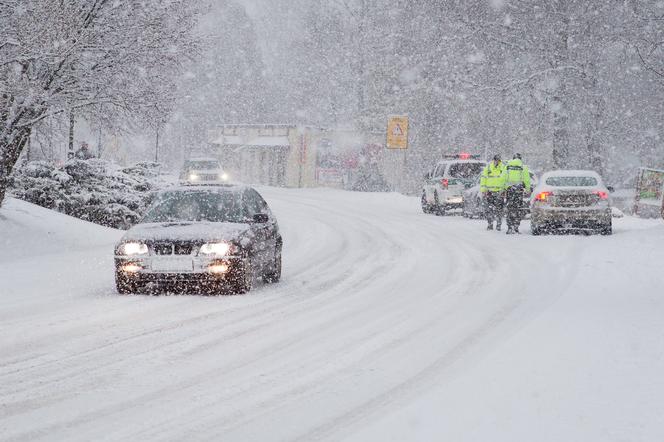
{"points": [[571, 181], [465, 170], [439, 171], [255, 203], [198, 206]]}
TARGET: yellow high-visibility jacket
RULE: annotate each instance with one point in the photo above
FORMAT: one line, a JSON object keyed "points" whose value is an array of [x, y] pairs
{"points": [[516, 173], [493, 178]]}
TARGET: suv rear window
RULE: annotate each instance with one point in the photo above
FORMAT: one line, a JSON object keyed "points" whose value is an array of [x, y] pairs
{"points": [[465, 170], [571, 181]]}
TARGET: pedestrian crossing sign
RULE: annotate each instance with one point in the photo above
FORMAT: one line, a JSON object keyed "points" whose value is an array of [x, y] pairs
{"points": [[397, 132]]}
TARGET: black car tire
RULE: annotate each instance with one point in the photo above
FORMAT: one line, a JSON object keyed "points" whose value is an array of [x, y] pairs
{"points": [[275, 275], [465, 211], [480, 212], [535, 229], [607, 229], [242, 279], [125, 287], [426, 208], [438, 209]]}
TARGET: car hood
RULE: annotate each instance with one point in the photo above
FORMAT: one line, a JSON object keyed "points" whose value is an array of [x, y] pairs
{"points": [[187, 231]]}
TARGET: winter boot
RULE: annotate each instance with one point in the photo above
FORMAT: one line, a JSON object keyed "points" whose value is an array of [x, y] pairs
{"points": [[489, 227], [510, 231], [498, 227]]}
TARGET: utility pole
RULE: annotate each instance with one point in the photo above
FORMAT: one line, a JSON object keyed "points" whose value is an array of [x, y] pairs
{"points": [[99, 149], [156, 146], [70, 151]]}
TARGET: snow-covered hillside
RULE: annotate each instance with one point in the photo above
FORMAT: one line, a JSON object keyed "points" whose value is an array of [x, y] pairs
{"points": [[388, 325]]}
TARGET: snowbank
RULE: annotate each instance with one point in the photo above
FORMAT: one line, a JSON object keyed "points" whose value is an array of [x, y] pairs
{"points": [[27, 230]]}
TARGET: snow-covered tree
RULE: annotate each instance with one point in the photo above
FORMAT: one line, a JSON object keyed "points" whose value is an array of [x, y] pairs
{"points": [[116, 58]]}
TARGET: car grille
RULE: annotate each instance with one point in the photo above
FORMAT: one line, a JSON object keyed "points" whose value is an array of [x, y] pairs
{"points": [[209, 177], [172, 248]]}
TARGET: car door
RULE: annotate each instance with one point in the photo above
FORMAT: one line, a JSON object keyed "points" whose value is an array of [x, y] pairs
{"points": [[428, 185], [436, 178], [265, 233]]}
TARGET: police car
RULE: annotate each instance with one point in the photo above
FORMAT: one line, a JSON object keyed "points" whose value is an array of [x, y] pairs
{"points": [[445, 182]]}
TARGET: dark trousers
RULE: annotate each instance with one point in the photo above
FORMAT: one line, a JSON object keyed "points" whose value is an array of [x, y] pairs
{"points": [[493, 207], [514, 206]]}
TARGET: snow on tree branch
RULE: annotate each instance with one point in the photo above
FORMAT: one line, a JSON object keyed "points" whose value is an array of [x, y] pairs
{"points": [[57, 57]]}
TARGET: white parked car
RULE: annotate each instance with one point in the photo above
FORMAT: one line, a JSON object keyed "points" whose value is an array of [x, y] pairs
{"points": [[203, 171], [570, 199], [445, 183]]}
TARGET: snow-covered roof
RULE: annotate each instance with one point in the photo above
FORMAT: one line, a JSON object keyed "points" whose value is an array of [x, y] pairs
{"points": [[260, 141], [269, 141], [203, 159]]}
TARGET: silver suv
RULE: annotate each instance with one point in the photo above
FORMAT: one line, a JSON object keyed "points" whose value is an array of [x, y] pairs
{"points": [[444, 184], [203, 170]]}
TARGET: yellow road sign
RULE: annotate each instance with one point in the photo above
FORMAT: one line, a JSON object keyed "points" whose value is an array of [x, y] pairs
{"points": [[397, 132]]}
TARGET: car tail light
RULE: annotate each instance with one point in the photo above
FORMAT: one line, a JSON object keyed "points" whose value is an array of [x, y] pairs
{"points": [[445, 182], [601, 195], [543, 196]]}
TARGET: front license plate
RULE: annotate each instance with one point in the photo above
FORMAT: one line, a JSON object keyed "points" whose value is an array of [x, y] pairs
{"points": [[172, 265]]}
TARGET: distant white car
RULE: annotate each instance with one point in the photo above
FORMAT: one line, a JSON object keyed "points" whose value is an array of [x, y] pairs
{"points": [[570, 199], [444, 184], [203, 171]]}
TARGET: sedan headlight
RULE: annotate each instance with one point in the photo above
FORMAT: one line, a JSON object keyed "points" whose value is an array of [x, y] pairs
{"points": [[215, 248], [224, 176], [193, 176], [133, 248]]}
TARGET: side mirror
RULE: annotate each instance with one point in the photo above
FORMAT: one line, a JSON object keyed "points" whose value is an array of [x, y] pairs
{"points": [[611, 189], [261, 218]]}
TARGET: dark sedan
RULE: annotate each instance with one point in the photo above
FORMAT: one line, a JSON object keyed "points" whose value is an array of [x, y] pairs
{"points": [[205, 238]]}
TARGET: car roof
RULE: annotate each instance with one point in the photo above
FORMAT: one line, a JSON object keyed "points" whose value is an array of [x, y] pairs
{"points": [[219, 188], [565, 173], [460, 161]]}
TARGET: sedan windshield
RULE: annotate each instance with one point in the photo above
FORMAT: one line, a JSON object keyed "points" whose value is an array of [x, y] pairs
{"points": [[198, 206], [571, 181]]}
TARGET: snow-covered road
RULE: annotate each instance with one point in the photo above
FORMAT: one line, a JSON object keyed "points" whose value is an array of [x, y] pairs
{"points": [[388, 325]]}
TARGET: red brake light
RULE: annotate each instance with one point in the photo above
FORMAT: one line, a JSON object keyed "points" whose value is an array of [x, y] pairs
{"points": [[601, 195], [464, 156], [543, 196], [445, 182]]}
